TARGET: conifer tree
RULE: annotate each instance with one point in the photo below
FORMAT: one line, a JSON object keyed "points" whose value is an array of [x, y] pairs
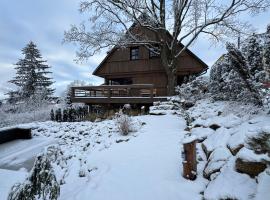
{"points": [[41, 182], [239, 65], [32, 75], [253, 53], [266, 54], [58, 115], [68, 102], [65, 115], [52, 115]]}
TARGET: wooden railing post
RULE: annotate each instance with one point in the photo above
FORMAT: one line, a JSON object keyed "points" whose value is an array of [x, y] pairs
{"points": [[189, 159], [151, 92], [109, 93], [72, 92]]}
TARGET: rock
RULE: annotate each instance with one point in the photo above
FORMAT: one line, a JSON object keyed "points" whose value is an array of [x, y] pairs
{"points": [[197, 125], [206, 151], [228, 121], [214, 126], [237, 140], [201, 133], [252, 168], [263, 186], [216, 161], [229, 184], [234, 150], [164, 108], [250, 163], [157, 112], [219, 113], [217, 139], [120, 140], [187, 104]]}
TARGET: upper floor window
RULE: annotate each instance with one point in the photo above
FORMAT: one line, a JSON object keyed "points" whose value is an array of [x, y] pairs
{"points": [[134, 53], [153, 52]]}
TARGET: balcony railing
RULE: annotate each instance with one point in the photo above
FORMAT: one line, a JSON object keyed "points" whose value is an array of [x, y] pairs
{"points": [[110, 91], [119, 94]]}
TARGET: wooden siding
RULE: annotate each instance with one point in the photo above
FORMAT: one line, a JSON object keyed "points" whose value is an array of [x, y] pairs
{"points": [[119, 63]]}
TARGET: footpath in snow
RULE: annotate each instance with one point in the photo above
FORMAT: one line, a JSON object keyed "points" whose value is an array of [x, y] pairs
{"points": [[146, 164], [147, 167]]}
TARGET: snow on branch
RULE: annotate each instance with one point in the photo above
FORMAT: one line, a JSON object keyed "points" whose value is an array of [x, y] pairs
{"points": [[110, 22]]}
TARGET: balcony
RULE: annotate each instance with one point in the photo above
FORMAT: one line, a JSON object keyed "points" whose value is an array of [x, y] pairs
{"points": [[115, 94]]}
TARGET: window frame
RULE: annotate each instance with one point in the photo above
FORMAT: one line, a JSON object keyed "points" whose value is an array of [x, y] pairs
{"points": [[134, 56], [153, 54]]}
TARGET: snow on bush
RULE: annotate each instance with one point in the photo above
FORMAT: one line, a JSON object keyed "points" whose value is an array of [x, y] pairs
{"points": [[227, 82], [260, 142], [194, 90], [24, 113], [266, 54], [240, 74], [41, 183]]}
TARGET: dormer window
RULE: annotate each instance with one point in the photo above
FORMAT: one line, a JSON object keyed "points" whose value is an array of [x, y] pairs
{"points": [[134, 53], [153, 52]]}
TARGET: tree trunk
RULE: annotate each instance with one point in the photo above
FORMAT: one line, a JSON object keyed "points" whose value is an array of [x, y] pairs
{"points": [[166, 58], [171, 83]]}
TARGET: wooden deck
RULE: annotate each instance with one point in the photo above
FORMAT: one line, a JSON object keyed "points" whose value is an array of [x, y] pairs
{"points": [[115, 94]]}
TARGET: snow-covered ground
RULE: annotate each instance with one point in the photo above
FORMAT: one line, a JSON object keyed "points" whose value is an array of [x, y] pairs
{"points": [[7, 179], [98, 163], [20, 154]]}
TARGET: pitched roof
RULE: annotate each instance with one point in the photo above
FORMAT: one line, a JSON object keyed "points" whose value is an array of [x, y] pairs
{"points": [[134, 24], [115, 48]]}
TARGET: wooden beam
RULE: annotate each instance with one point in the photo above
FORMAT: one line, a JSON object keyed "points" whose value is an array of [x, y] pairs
{"points": [[135, 86], [117, 100]]}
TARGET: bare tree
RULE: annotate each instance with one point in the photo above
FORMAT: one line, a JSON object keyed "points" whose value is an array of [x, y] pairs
{"points": [[173, 22]]}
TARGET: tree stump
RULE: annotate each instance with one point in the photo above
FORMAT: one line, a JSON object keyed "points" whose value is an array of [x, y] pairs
{"points": [[189, 159]]}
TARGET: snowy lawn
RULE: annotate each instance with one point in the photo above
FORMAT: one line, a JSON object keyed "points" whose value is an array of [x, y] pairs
{"points": [[99, 163], [7, 179], [19, 154]]}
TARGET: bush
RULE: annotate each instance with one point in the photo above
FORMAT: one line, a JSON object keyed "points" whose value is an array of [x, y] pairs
{"points": [[52, 115], [123, 123], [260, 143], [41, 183], [22, 113], [230, 79], [194, 90]]}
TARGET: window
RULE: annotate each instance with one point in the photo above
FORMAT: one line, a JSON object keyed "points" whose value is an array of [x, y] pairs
{"points": [[134, 53], [153, 52]]}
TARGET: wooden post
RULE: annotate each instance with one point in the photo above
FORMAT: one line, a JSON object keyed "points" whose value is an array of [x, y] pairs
{"points": [[72, 92], [189, 159], [109, 93], [151, 92]]}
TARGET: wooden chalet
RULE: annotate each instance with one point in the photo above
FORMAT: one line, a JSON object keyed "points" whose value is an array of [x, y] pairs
{"points": [[135, 75]]}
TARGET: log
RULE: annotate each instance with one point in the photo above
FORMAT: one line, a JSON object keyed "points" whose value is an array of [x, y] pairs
{"points": [[189, 159], [14, 134]]}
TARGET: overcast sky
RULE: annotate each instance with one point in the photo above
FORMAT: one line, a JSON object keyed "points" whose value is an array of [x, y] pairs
{"points": [[44, 22]]}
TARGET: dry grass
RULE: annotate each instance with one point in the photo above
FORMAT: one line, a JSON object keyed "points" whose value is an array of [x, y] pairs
{"points": [[124, 123]]}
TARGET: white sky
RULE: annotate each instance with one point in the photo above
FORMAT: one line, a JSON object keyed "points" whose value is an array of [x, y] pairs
{"points": [[44, 22]]}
